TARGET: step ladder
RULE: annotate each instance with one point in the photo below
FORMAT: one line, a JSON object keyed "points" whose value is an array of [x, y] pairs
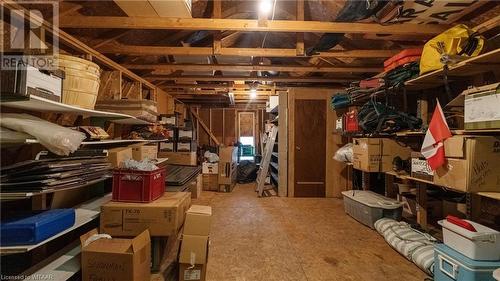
{"points": [[266, 159]]}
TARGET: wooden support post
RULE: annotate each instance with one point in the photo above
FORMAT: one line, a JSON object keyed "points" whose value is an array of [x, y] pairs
{"points": [[390, 190], [217, 14], [365, 180], [300, 36], [204, 126], [422, 205], [423, 110]]}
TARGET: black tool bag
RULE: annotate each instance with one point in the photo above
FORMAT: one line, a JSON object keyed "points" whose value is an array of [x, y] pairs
{"points": [[375, 117]]}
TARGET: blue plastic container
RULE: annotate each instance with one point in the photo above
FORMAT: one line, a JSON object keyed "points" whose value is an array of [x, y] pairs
{"points": [[35, 227], [450, 265]]}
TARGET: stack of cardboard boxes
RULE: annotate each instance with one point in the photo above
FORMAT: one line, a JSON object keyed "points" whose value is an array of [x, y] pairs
{"points": [[137, 152], [193, 256], [114, 255], [221, 176]]}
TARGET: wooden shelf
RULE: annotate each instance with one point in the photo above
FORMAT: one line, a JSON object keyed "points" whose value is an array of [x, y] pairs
{"points": [[39, 104], [84, 213], [62, 265], [8, 196], [103, 142], [469, 67], [408, 177], [493, 195]]}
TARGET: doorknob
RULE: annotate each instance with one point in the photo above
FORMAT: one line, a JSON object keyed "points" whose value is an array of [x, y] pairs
{"points": [[297, 147]]}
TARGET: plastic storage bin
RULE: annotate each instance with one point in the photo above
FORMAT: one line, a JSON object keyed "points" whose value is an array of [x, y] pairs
{"points": [[33, 228], [450, 265], [138, 186], [481, 245], [367, 207]]}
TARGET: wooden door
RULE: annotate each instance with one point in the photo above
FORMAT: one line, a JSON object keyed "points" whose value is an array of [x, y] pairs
{"points": [[310, 148]]}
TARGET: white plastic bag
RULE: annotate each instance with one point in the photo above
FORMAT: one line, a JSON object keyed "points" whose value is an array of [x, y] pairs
{"points": [[57, 139], [211, 157], [344, 154], [144, 165]]}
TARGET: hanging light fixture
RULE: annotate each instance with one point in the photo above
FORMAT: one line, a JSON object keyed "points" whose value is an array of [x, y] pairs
{"points": [[265, 6], [253, 93]]}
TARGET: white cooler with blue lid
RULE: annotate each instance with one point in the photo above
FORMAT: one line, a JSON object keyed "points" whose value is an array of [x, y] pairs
{"points": [[368, 207], [481, 245]]}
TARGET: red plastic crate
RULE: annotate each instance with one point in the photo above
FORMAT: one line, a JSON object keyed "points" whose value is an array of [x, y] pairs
{"points": [[138, 186], [351, 121]]}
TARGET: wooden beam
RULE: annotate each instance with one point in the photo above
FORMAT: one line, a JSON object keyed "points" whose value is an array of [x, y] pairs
{"points": [[72, 42], [236, 67], [204, 126], [217, 13], [136, 50], [247, 25], [243, 78], [300, 36]]}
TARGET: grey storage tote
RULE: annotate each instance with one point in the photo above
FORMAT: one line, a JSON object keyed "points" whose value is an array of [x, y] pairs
{"points": [[367, 207]]}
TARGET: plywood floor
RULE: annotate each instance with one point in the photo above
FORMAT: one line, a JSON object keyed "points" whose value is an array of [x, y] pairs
{"points": [[306, 239]]}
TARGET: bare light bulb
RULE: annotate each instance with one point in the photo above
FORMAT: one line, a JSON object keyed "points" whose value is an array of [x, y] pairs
{"points": [[253, 93], [265, 6]]}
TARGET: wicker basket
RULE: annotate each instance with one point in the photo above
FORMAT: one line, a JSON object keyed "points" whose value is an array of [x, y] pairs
{"points": [[81, 84]]}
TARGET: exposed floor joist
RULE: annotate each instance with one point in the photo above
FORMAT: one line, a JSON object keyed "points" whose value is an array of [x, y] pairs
{"points": [[237, 67], [137, 50], [246, 25], [242, 78]]}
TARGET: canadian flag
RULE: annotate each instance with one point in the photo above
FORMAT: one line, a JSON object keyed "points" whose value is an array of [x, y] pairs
{"points": [[433, 147]]}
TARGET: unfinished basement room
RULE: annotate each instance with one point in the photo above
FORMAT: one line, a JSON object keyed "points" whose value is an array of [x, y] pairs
{"points": [[250, 140]]}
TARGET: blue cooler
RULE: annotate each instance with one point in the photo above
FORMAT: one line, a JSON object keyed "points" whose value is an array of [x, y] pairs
{"points": [[35, 227], [450, 265]]}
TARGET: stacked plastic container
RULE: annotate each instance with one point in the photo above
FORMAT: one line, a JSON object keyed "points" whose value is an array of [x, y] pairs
{"points": [[138, 186], [471, 251]]}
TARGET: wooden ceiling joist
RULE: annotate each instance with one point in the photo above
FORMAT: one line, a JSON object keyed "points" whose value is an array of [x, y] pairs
{"points": [[242, 78], [72, 42], [237, 67], [246, 25], [116, 48]]}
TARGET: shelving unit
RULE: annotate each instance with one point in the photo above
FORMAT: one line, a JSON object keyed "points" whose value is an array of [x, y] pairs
{"points": [[40, 104], [469, 67], [7, 196], [84, 213]]}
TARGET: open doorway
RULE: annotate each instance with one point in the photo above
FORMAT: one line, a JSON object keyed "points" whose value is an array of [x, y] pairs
{"points": [[246, 135]]}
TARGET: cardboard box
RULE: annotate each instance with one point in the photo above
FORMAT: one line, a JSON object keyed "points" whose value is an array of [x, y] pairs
{"points": [[197, 187], [481, 108], [472, 164], [210, 182], [141, 152], [179, 158], [116, 259], [198, 220], [194, 252], [163, 217], [210, 168], [118, 155], [377, 154], [228, 154], [420, 169]]}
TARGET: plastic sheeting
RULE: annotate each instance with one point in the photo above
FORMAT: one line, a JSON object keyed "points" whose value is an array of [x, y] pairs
{"points": [[57, 139]]}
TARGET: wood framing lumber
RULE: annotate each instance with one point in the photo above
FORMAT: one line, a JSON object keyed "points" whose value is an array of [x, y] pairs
{"points": [[204, 126], [243, 78], [136, 50], [238, 67], [246, 25]]}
